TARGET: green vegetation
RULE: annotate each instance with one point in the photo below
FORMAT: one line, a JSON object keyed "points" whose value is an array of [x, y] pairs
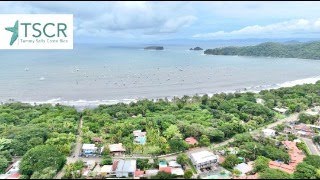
{"points": [[261, 164], [39, 158], [274, 174], [163, 175], [251, 149], [143, 164], [230, 161], [208, 119], [307, 118], [302, 146], [182, 159], [308, 50], [73, 170], [313, 160], [305, 171], [188, 174]]}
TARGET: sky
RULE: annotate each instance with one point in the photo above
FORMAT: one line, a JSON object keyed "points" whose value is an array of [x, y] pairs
{"points": [[151, 21]]}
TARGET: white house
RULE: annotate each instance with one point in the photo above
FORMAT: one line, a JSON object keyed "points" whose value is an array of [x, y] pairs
{"points": [[243, 168], [126, 168], [204, 159], [89, 149], [269, 132]]}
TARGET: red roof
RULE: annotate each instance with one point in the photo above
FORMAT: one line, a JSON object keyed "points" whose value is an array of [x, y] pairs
{"points": [[191, 140], [138, 173], [114, 165], [14, 176], [165, 169], [296, 157]]}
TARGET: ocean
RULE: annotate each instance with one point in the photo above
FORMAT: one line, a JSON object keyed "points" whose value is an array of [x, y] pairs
{"points": [[95, 74]]}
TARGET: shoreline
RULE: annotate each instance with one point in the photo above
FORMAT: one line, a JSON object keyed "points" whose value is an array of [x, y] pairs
{"points": [[82, 104]]}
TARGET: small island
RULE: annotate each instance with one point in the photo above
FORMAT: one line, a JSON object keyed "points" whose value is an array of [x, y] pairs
{"points": [[196, 49], [154, 48], [309, 50]]}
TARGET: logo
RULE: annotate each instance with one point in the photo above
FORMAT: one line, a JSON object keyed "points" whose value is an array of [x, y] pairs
{"points": [[36, 31], [14, 31]]}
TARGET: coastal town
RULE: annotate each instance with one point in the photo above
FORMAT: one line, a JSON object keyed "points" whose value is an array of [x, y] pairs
{"points": [[217, 161]]}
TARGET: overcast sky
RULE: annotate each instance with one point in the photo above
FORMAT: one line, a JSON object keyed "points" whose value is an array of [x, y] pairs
{"points": [[147, 21]]}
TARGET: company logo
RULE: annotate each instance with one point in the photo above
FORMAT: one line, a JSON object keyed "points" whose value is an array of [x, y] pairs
{"points": [[36, 31], [15, 32]]}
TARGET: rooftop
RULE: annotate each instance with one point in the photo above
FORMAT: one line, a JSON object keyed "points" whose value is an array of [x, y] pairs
{"points": [[89, 146], [203, 156], [191, 140], [116, 147], [174, 164], [106, 168], [243, 168], [281, 110], [127, 165]]}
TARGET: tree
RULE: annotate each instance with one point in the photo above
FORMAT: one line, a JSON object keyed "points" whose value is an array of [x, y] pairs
{"points": [[188, 174], [177, 145], [261, 163], [106, 161], [274, 174], [40, 157], [182, 159], [143, 164], [305, 171], [172, 131], [47, 173], [3, 164], [204, 140], [313, 160], [230, 161], [163, 175]]}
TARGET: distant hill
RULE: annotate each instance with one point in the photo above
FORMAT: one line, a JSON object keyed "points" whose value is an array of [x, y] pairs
{"points": [[154, 48], [310, 50]]}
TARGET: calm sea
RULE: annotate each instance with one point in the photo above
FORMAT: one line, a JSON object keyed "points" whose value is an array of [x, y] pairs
{"points": [[93, 74]]}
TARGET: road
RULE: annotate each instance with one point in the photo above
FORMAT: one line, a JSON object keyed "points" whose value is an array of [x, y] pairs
{"points": [[74, 157], [169, 157], [311, 146], [291, 118]]}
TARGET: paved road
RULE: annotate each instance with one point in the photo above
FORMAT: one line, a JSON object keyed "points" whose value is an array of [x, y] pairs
{"points": [[311, 146]]}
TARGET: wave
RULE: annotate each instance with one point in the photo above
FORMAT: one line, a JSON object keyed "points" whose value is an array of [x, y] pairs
{"points": [[82, 104]]}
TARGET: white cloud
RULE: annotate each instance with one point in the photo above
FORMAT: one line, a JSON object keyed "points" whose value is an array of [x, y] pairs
{"points": [[101, 18], [287, 28]]}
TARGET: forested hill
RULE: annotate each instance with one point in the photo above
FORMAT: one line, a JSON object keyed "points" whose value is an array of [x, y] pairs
{"points": [[310, 50]]}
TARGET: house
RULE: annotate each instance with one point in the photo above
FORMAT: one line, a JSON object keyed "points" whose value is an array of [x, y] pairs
{"points": [[177, 171], [139, 137], [165, 169], [126, 168], [106, 170], [162, 164], [138, 174], [151, 172], [269, 133], [89, 149], [116, 149], [96, 139], [280, 110], [191, 141], [303, 130], [243, 168], [174, 164], [204, 159]]}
